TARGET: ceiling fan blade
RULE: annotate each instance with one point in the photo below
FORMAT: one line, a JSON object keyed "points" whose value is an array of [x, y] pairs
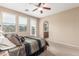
{"points": [[39, 4], [43, 3], [35, 9], [47, 8], [41, 11], [35, 5]]}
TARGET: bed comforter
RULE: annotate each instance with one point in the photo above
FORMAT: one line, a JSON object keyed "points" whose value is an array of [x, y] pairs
{"points": [[32, 45], [29, 46], [17, 51]]}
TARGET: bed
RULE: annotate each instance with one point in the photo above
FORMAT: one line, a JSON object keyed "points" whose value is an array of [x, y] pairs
{"points": [[25, 46], [12, 44], [34, 46], [17, 51]]}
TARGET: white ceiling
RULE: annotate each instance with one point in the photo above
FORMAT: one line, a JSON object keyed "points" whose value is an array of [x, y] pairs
{"points": [[55, 8]]}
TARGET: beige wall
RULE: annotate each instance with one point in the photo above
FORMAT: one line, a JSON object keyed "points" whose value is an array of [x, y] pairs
{"points": [[63, 27], [17, 14]]}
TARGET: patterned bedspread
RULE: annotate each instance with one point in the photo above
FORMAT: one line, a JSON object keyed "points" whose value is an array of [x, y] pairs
{"points": [[33, 45], [28, 47], [17, 51]]}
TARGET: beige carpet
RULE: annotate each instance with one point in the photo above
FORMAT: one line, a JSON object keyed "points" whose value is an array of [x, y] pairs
{"points": [[47, 53]]}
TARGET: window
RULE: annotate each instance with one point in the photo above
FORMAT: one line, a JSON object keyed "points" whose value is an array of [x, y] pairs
{"points": [[9, 22], [22, 24], [33, 27]]}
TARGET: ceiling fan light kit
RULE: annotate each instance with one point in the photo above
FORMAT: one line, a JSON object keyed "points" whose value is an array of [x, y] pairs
{"points": [[40, 8]]}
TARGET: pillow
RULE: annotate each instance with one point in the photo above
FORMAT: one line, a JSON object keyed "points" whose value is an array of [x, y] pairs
{"points": [[13, 39], [22, 39], [18, 37]]}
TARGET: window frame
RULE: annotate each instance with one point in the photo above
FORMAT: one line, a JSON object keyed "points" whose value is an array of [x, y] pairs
{"points": [[35, 26], [26, 19], [3, 22]]}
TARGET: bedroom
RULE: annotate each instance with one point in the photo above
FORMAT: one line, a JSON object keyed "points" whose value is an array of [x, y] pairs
{"points": [[39, 29]]}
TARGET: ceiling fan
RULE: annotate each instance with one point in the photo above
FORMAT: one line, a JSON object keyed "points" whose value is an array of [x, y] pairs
{"points": [[41, 7]]}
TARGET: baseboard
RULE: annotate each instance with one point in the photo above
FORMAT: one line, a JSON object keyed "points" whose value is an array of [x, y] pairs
{"points": [[66, 44]]}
